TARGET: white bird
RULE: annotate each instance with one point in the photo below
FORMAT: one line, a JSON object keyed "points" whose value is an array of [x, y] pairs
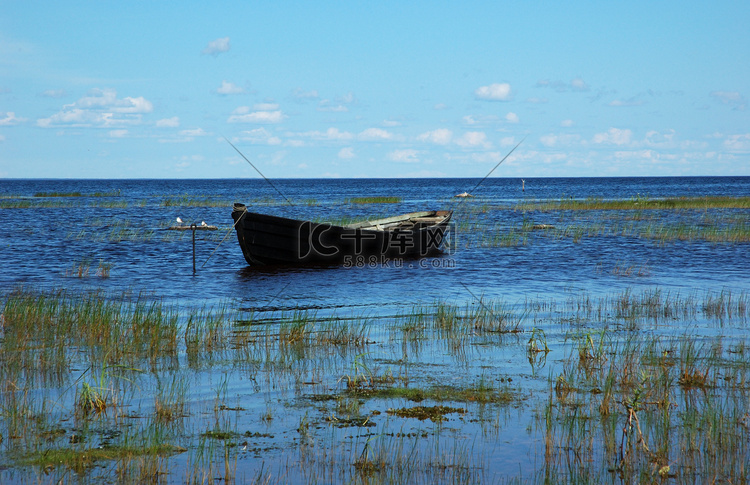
{"points": [[203, 223], [179, 220]]}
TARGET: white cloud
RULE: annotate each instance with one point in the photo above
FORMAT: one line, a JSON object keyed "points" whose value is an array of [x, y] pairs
{"points": [[172, 122], [2, 138], [100, 108], [553, 140], [508, 141], [266, 107], [731, 98], [54, 93], [657, 139], [494, 92], [261, 136], [134, 105], [614, 136], [331, 106], [579, 84], [549, 140], [473, 139], [512, 118], [118, 133], [243, 115], [566, 123], [10, 119], [480, 120], [340, 104], [216, 47], [228, 88], [738, 143], [346, 153], [576, 84], [441, 136], [405, 156], [372, 134], [329, 134], [301, 95], [193, 132]]}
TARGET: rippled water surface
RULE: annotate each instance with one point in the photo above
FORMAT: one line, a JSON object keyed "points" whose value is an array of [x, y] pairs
{"points": [[127, 231], [286, 408]]}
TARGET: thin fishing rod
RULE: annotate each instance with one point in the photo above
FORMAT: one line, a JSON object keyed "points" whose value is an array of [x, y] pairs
{"points": [[259, 172], [498, 164], [224, 239], [490, 172], [238, 219]]}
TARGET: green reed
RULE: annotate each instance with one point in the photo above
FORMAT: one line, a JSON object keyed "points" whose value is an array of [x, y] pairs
{"points": [[628, 398], [638, 202], [81, 371], [58, 194], [375, 200]]}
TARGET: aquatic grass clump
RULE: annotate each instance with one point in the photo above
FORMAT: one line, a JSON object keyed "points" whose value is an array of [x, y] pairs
{"points": [[483, 391], [83, 269], [435, 414], [92, 399], [375, 200], [47, 326], [58, 194], [637, 202], [38, 204], [657, 406], [82, 459]]}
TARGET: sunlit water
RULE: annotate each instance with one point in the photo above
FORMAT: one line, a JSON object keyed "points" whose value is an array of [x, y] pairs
{"points": [[122, 226], [40, 245]]}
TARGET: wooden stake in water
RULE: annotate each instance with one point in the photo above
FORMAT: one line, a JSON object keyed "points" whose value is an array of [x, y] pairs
{"points": [[193, 226]]}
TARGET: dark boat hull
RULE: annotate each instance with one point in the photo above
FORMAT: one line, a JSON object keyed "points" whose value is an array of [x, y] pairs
{"points": [[272, 240]]}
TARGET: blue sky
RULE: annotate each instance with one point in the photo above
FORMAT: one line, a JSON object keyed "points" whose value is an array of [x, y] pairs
{"points": [[378, 89]]}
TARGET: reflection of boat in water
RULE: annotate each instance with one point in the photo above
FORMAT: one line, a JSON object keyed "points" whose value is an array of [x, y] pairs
{"points": [[267, 239]]}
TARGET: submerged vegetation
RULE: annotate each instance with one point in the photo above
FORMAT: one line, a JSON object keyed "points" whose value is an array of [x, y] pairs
{"points": [[617, 400], [628, 385], [639, 202], [375, 200]]}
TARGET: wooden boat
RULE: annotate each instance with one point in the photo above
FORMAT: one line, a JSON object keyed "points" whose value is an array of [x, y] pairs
{"points": [[272, 240]]}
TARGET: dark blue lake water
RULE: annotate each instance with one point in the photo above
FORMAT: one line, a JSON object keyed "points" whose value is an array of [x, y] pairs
{"points": [[285, 405], [121, 225]]}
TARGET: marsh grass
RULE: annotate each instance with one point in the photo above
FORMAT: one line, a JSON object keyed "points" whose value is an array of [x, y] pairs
{"points": [[39, 204], [375, 200], [629, 393], [83, 269], [58, 194], [81, 459], [626, 394], [638, 202], [714, 220], [170, 399]]}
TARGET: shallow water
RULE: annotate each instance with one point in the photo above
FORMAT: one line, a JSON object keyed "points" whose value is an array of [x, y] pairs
{"points": [[120, 236]]}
